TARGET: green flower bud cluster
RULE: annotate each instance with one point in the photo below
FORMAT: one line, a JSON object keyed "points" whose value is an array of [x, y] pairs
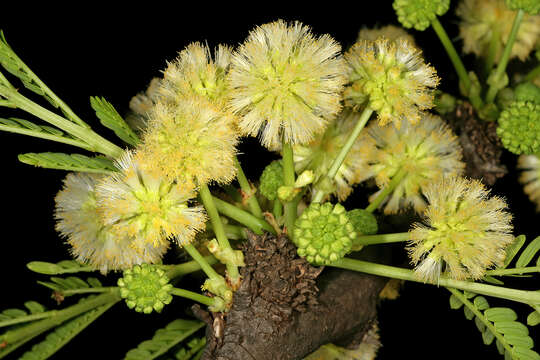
{"points": [[271, 179], [145, 288], [519, 127], [531, 7], [363, 221], [323, 233], [527, 92], [419, 13]]}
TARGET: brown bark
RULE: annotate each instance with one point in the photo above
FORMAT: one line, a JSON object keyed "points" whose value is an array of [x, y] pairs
{"points": [[285, 310]]}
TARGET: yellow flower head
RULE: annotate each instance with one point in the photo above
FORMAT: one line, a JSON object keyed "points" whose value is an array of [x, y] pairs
{"points": [[286, 83], [192, 142], [425, 151], [465, 231], [92, 241], [319, 155], [195, 73], [392, 78], [141, 105], [530, 177], [390, 32], [481, 20], [144, 205]]}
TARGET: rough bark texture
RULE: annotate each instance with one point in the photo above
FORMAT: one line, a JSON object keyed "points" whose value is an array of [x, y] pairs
{"points": [[281, 312], [482, 148]]}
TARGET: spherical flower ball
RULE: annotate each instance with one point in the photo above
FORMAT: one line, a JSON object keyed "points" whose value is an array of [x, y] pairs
{"points": [[392, 78], [425, 151], [191, 142], [481, 20], [196, 73], [529, 6], [530, 177], [527, 92], [145, 288], [286, 83], [144, 205], [519, 127], [389, 32], [364, 222], [464, 231], [419, 13], [271, 180], [323, 233], [92, 241], [319, 155]]}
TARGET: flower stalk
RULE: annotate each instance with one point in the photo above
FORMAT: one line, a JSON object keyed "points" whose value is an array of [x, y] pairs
{"points": [[288, 180], [217, 225], [253, 204], [456, 61], [366, 114], [501, 67], [243, 217], [380, 239], [522, 296], [396, 179]]}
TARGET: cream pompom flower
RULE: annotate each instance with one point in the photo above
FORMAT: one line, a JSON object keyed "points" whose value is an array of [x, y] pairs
{"points": [[424, 152], [92, 241], [192, 142], [286, 83], [464, 231], [481, 20], [530, 177], [390, 32], [144, 205], [319, 155], [392, 78], [195, 73]]}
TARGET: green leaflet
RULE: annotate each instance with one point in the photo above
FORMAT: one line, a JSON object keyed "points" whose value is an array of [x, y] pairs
{"points": [[512, 337], [73, 285], [55, 340], [528, 254], [62, 267], [164, 339], [111, 119], [34, 311], [513, 249], [191, 350], [73, 162]]}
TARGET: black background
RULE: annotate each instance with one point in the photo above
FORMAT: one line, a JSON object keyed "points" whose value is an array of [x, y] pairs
{"points": [[90, 50]]}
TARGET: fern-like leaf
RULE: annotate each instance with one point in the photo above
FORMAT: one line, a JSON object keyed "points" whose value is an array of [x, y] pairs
{"points": [[61, 335], [72, 285], [14, 65], [70, 162], [513, 249], [164, 339], [111, 119], [496, 323], [188, 350], [61, 267]]}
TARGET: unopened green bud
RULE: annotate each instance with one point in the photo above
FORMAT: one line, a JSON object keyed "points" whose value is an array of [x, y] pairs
{"points": [[519, 127], [531, 7], [527, 92], [363, 221], [323, 233], [145, 288], [271, 179], [287, 193], [419, 13]]}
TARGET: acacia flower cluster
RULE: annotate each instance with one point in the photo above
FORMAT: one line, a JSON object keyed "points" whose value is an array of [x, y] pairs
{"points": [[486, 22], [286, 83], [92, 241], [424, 152], [464, 231], [391, 78], [319, 154]]}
